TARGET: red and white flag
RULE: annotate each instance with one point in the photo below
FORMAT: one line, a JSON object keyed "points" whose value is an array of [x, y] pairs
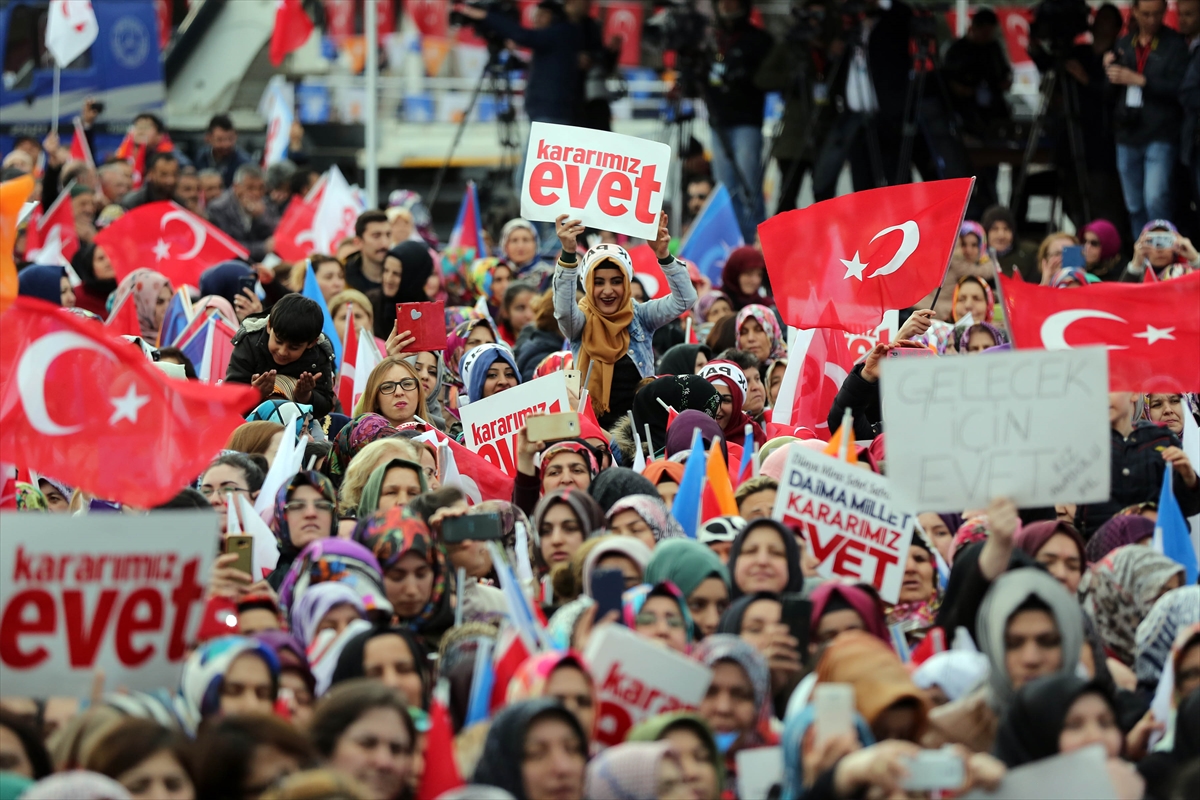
{"points": [[80, 149], [842, 263], [294, 234], [123, 319], [50, 237], [477, 477], [1151, 330], [168, 238], [291, 31], [818, 362], [336, 213], [71, 28], [112, 424], [360, 356]]}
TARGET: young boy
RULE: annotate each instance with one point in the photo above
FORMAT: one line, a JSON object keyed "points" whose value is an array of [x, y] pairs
{"points": [[286, 342]]}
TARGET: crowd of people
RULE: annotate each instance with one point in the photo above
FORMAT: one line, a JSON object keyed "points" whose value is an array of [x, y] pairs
{"points": [[1018, 635]]}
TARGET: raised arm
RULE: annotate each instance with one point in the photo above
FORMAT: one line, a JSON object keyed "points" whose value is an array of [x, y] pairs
{"points": [[566, 277]]}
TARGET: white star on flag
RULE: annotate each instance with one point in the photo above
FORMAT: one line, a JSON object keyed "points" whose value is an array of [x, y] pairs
{"points": [[126, 407], [1153, 334], [853, 266], [162, 250]]}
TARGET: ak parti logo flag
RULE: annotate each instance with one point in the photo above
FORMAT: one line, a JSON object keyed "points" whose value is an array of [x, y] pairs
{"points": [[842, 263]]}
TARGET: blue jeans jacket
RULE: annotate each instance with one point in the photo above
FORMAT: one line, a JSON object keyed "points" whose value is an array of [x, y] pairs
{"points": [[647, 317]]}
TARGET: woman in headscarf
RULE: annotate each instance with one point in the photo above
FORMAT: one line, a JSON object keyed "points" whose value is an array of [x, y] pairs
{"points": [[296, 683], [99, 279], [151, 293], [415, 577], [679, 437], [742, 278], [711, 308], [1058, 547], [738, 704], [305, 510], [1101, 244], [625, 553], [519, 247], [1175, 611], [643, 517], [1117, 593], [1058, 714], [406, 268], [733, 386], [326, 606], [614, 483], [701, 763], [950, 674], [46, 283], [558, 676], [659, 613], [1118, 532], [680, 392], [837, 608], [562, 521], [1168, 410], [1029, 627], [393, 655], [884, 694], [248, 666], [666, 477], [1069, 278], [916, 607], [765, 557], [758, 333], [684, 359], [610, 333], [534, 748], [758, 619], [980, 336], [636, 771], [353, 437], [487, 370], [700, 576], [431, 372], [972, 295], [466, 336], [336, 561]]}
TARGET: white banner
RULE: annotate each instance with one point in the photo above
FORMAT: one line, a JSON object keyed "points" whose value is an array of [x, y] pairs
{"points": [[108, 590], [1030, 425], [851, 522], [608, 180], [490, 425]]}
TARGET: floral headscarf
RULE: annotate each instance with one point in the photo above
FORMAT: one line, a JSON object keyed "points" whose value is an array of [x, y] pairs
{"points": [[766, 319], [569, 446], [728, 647], [1118, 592], [530, 679], [394, 534], [918, 615], [973, 530], [144, 285], [199, 693], [455, 266], [653, 513], [987, 293], [997, 335], [354, 436], [312, 478], [480, 274], [30, 498], [336, 560]]}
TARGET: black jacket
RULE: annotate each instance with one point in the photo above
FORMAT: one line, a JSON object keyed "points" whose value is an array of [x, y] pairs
{"points": [[250, 232], [734, 98], [551, 88], [534, 344], [1160, 117], [1189, 98], [1137, 476], [354, 274], [251, 357], [140, 197], [862, 397]]}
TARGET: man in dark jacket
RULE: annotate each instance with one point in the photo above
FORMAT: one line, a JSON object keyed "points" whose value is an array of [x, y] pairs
{"points": [[162, 171], [220, 151], [1146, 72], [286, 344], [241, 212], [1189, 98]]}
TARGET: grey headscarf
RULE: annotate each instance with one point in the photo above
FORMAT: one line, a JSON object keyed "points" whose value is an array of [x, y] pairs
{"points": [[1007, 594], [433, 401]]}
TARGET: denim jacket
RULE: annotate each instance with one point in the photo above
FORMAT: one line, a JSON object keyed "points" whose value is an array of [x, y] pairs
{"points": [[647, 317]]}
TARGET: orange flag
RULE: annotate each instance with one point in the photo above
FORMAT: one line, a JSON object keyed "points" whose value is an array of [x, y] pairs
{"points": [[12, 196], [834, 448], [717, 498]]}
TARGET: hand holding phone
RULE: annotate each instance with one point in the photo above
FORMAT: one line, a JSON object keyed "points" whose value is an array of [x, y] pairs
{"points": [[932, 770], [552, 427], [472, 528], [243, 548]]}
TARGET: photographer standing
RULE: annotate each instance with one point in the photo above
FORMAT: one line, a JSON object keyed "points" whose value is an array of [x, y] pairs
{"points": [[735, 110]]}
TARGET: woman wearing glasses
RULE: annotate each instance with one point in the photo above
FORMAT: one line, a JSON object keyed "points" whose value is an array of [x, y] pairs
{"points": [[305, 510], [1101, 244], [230, 475], [393, 391]]}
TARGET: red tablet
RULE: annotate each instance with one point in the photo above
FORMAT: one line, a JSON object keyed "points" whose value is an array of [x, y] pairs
{"points": [[426, 321]]}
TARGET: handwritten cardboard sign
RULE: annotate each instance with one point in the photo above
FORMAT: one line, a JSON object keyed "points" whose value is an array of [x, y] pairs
{"points": [[849, 518], [637, 679], [610, 181], [1029, 425], [107, 591], [490, 425]]}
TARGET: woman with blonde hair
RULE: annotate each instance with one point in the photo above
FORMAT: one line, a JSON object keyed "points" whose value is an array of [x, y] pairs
{"points": [[1049, 254], [394, 392], [368, 460], [256, 438]]}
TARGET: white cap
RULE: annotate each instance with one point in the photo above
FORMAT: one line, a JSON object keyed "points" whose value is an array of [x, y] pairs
{"points": [[606, 252]]}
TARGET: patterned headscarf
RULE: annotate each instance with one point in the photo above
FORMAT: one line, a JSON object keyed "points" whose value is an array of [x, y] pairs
{"points": [[766, 319], [30, 498], [633, 599], [283, 533], [997, 335], [318, 601], [336, 560], [973, 530], [354, 436], [455, 267], [199, 693], [628, 771], [706, 301], [1117, 532], [530, 679], [456, 344], [987, 293], [727, 647], [1066, 276], [569, 446], [974, 228], [480, 274], [1174, 611], [1118, 592], [394, 534], [653, 513], [144, 285], [680, 392]]}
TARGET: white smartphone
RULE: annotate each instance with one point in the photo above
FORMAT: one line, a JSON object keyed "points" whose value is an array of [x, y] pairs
{"points": [[573, 377], [932, 770], [834, 703]]}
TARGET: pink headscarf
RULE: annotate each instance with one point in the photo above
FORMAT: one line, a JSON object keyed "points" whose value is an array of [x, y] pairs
{"points": [[145, 285]]}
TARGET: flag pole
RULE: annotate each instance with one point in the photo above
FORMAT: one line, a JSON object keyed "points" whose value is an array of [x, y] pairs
{"points": [[371, 102], [54, 99], [650, 442]]}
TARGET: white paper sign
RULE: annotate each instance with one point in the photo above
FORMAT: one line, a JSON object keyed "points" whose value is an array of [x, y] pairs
{"points": [[1079, 775], [637, 680], [490, 425], [850, 520], [610, 181], [1029, 425], [108, 590], [758, 770]]}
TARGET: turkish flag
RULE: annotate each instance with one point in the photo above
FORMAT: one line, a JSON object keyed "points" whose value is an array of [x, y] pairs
{"points": [[825, 363], [292, 29], [85, 406], [481, 478], [1151, 330], [647, 270], [51, 237], [123, 320], [842, 263], [168, 238], [293, 235], [80, 149]]}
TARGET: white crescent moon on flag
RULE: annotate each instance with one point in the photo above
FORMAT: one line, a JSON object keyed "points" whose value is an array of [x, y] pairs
{"points": [[199, 235], [31, 377], [912, 238], [835, 373], [1054, 327]]}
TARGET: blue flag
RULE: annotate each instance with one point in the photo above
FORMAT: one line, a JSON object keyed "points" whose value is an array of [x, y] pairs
{"points": [[714, 234], [686, 507], [1171, 530], [176, 318], [313, 292]]}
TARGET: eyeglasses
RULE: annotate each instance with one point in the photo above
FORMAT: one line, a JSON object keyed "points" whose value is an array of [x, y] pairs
{"points": [[302, 505], [209, 491], [389, 387]]}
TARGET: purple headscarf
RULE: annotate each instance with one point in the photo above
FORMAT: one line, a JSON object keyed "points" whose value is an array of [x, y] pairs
{"points": [[679, 435], [1118, 532], [1106, 232]]}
